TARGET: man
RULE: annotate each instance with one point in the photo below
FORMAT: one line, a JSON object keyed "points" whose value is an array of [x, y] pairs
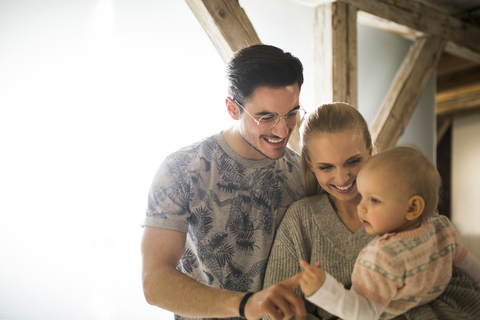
{"points": [[214, 206]]}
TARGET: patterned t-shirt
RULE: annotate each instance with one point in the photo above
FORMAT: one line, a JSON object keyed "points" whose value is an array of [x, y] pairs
{"points": [[228, 206]]}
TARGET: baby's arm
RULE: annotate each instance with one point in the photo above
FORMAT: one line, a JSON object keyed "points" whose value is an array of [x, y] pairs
{"points": [[312, 279], [471, 266], [327, 293]]}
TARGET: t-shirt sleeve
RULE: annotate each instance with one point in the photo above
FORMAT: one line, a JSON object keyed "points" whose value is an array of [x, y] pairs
{"points": [[376, 276], [168, 198]]}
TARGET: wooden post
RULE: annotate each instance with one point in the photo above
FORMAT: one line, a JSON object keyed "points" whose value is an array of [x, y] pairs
{"points": [[335, 53]]}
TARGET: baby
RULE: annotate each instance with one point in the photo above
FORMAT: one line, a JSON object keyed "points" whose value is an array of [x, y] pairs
{"points": [[410, 261]]}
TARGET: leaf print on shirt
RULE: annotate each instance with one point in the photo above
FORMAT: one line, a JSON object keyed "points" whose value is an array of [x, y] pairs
{"points": [[188, 262], [239, 280], [215, 252], [200, 222], [260, 190]]}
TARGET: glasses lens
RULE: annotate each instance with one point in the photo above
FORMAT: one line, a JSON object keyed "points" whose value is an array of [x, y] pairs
{"points": [[295, 117], [268, 122]]}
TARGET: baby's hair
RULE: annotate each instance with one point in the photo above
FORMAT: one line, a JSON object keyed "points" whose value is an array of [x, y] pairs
{"points": [[409, 163]]}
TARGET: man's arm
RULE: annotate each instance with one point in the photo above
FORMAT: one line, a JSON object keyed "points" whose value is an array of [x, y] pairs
{"points": [[168, 288]]}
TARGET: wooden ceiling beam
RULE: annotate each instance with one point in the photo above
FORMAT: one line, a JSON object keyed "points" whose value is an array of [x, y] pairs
{"points": [[226, 24], [405, 91], [335, 54], [459, 100], [450, 64]]}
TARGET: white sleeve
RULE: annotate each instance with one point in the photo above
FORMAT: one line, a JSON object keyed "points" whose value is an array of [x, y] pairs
{"points": [[346, 304], [471, 266]]}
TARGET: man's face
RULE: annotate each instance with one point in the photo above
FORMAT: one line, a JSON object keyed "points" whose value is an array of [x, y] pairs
{"points": [[270, 143]]}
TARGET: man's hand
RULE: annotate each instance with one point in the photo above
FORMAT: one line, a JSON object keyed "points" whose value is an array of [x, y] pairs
{"points": [[312, 278], [278, 301]]}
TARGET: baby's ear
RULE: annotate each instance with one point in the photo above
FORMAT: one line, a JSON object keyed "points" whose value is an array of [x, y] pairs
{"points": [[416, 204]]}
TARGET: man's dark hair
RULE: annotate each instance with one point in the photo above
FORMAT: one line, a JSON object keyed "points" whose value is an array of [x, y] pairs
{"points": [[261, 65]]}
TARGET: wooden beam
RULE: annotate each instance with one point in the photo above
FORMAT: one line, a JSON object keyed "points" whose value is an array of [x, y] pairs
{"points": [[405, 91], [373, 21], [463, 51], [226, 24], [442, 126], [460, 100], [313, 3], [463, 38], [335, 54], [449, 64], [456, 80]]}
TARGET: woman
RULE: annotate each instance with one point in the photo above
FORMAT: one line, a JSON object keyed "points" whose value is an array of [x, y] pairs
{"points": [[324, 227]]}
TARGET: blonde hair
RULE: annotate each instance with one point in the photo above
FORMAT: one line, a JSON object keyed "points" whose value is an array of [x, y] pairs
{"points": [[328, 118], [421, 176]]}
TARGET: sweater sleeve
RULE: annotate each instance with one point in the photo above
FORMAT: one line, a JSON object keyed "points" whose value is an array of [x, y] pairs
{"points": [[283, 261], [471, 266], [377, 275], [286, 252]]}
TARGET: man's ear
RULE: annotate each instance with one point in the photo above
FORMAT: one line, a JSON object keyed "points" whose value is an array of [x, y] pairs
{"points": [[416, 204], [232, 109]]}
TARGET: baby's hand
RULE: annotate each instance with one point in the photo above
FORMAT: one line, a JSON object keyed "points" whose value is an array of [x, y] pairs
{"points": [[312, 279]]}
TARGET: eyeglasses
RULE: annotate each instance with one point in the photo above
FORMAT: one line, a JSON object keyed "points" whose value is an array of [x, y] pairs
{"points": [[269, 121]]}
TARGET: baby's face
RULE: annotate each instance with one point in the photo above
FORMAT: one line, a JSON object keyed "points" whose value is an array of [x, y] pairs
{"points": [[384, 202]]}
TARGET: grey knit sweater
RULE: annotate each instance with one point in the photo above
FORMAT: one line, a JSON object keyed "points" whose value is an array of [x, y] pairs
{"points": [[312, 231]]}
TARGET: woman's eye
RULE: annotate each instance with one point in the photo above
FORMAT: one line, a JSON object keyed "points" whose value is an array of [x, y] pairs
{"points": [[354, 161], [325, 168]]}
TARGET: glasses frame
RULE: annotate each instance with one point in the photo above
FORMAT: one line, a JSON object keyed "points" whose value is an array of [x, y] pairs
{"points": [[300, 108]]}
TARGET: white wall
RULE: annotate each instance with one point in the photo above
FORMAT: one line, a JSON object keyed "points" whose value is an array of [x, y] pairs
{"points": [[465, 178], [380, 54], [93, 95]]}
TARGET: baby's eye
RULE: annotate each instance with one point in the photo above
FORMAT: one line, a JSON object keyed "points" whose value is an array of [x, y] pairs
{"points": [[375, 200]]}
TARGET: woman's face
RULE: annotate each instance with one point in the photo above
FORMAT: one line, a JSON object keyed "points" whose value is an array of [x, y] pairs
{"points": [[336, 159]]}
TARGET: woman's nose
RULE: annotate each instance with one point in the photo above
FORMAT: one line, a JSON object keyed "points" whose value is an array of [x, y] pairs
{"points": [[342, 176]]}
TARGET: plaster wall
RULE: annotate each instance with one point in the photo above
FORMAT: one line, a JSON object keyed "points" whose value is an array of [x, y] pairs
{"points": [[465, 177]]}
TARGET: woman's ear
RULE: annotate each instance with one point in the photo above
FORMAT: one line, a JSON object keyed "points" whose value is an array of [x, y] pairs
{"points": [[416, 204], [232, 109]]}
